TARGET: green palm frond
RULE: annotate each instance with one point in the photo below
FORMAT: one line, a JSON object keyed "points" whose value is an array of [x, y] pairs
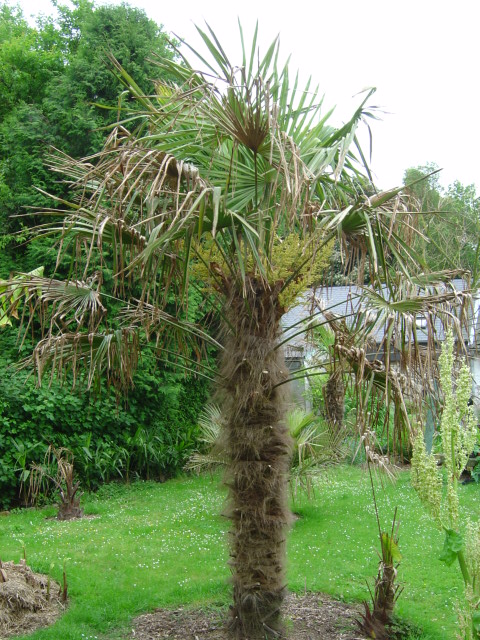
{"points": [[12, 292], [234, 136], [298, 422], [210, 423], [69, 301], [315, 446]]}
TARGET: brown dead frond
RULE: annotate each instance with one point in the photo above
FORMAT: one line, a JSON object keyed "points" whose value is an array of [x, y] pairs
{"points": [[112, 354]]}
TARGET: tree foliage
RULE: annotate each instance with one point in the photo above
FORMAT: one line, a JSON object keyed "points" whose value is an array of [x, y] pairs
{"points": [[451, 230], [57, 90]]}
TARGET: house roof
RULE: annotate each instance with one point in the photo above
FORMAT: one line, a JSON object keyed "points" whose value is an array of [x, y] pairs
{"points": [[345, 301]]}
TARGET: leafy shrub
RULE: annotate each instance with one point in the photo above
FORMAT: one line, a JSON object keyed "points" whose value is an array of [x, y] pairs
{"points": [[151, 434]]}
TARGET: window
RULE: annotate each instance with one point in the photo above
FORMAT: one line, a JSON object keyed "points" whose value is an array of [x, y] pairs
{"points": [[421, 322]]}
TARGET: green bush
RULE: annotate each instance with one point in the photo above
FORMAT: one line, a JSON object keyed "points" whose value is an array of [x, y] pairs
{"points": [[150, 434]]}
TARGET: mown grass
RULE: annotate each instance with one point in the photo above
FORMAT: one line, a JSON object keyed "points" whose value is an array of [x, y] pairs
{"points": [[157, 545]]}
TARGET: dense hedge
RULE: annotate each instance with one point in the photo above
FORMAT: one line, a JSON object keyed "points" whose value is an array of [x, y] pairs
{"points": [[150, 434]]}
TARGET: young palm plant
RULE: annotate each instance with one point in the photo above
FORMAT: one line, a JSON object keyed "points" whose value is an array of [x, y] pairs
{"points": [[314, 446], [57, 470], [231, 178]]}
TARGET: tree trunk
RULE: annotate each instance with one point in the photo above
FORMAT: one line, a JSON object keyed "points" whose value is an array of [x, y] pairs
{"points": [[385, 590], [258, 449], [334, 398]]}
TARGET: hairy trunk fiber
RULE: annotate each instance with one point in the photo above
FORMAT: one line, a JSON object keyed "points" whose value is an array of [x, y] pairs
{"points": [[69, 511], [257, 444], [385, 590], [334, 397]]}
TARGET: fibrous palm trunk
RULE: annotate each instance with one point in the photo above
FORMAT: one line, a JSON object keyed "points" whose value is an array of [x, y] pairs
{"points": [[334, 397], [385, 593], [258, 450]]}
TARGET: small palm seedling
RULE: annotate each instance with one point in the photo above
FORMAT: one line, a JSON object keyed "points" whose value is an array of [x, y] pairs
{"points": [[377, 619], [57, 470], [314, 446], [386, 591]]}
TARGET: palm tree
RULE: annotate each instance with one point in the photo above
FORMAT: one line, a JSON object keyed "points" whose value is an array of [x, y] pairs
{"points": [[229, 181], [397, 371]]}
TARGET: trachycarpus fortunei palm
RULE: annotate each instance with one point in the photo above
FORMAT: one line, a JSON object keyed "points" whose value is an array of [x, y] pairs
{"points": [[231, 176]]}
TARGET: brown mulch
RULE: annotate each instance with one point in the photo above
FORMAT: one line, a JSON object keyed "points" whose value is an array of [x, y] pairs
{"points": [[25, 604], [313, 616]]}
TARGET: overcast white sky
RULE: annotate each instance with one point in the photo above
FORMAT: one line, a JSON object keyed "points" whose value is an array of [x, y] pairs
{"points": [[422, 55]]}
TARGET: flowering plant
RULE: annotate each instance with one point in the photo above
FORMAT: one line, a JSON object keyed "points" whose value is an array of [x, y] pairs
{"points": [[458, 433]]}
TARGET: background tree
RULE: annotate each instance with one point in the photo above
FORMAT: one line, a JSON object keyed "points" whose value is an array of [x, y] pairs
{"points": [[84, 99], [56, 90], [52, 77], [451, 229], [28, 63]]}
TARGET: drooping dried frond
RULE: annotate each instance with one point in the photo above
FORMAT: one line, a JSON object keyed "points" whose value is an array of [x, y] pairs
{"points": [[156, 322], [374, 234], [132, 201], [89, 356], [67, 302]]}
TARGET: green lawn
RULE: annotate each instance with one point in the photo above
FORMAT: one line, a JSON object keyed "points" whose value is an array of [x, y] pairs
{"points": [[164, 545]]}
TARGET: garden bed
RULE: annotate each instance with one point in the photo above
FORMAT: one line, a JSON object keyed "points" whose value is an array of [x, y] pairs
{"points": [[309, 617]]}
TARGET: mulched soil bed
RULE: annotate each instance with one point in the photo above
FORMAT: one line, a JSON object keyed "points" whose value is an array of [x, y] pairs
{"points": [[312, 616], [25, 604]]}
